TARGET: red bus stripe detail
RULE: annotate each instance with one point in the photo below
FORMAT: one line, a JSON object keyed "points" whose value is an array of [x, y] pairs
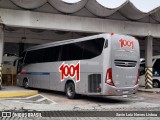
{"points": [[23, 73]]}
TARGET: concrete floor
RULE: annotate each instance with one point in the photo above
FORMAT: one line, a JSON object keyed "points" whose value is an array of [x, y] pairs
{"points": [[51, 101]]}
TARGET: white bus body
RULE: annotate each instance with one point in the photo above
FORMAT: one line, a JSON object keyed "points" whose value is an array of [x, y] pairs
{"points": [[105, 64], [156, 71]]}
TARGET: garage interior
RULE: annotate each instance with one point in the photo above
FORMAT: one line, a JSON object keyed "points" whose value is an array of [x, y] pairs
{"points": [[29, 23]]}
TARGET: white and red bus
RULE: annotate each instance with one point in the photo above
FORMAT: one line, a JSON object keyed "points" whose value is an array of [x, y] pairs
{"points": [[105, 64]]}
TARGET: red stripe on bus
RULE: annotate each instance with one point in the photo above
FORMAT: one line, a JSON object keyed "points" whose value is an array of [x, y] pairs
{"points": [[23, 73]]}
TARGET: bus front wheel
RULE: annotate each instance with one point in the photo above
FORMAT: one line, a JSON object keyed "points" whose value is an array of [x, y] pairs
{"points": [[70, 90], [26, 83]]}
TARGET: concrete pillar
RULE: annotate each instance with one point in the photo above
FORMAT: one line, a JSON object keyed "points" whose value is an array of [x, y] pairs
{"points": [[1, 51], [148, 58]]}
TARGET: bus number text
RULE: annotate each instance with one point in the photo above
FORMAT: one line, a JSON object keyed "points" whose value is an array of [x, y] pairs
{"points": [[124, 43], [70, 71]]}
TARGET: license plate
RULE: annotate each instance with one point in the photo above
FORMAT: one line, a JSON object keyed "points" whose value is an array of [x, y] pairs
{"points": [[125, 92], [124, 96]]}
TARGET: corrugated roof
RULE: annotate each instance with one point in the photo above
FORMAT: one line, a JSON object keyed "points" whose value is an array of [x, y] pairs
{"points": [[100, 8]]}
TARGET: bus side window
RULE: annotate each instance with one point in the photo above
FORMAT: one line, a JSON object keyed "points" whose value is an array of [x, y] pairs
{"points": [[82, 50], [142, 69], [51, 54], [93, 48], [156, 68]]}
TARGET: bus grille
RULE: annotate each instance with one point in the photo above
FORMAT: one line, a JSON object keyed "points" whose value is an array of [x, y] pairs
{"points": [[94, 81], [125, 63]]}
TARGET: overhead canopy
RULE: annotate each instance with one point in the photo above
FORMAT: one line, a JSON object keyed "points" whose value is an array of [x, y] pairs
{"points": [[93, 16], [29, 4], [100, 8]]}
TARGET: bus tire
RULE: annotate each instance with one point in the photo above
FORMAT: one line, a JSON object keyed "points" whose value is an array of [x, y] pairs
{"points": [[156, 83], [25, 83], [70, 90]]}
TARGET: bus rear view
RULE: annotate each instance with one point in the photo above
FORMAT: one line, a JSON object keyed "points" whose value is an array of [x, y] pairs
{"points": [[122, 73]]}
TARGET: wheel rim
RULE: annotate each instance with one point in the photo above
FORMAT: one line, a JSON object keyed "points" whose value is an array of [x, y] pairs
{"points": [[155, 84], [26, 84], [70, 90]]}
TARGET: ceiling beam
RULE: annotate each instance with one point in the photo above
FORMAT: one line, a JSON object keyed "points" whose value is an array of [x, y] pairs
{"points": [[48, 21]]}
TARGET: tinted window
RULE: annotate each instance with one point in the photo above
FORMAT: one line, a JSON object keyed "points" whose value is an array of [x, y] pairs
{"points": [[51, 54], [142, 69], [29, 57], [93, 48], [64, 52], [72, 51], [157, 64], [35, 56], [82, 50], [38, 56], [156, 68]]}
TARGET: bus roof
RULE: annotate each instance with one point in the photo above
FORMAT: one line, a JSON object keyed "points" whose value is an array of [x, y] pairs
{"points": [[104, 35], [66, 41]]}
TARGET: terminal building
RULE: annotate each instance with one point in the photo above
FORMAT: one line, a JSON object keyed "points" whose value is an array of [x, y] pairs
{"points": [[25, 23]]}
